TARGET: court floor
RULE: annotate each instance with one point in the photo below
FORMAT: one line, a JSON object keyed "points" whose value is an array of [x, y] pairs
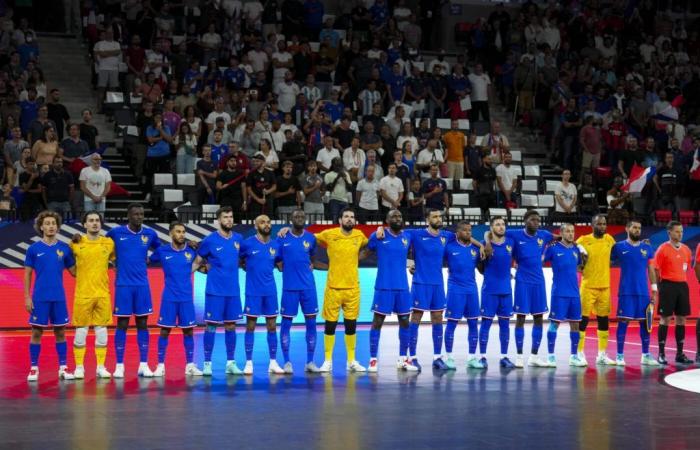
{"points": [[569, 408]]}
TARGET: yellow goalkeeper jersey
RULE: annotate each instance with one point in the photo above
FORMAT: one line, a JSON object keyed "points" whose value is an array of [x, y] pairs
{"points": [[343, 253], [91, 266], [596, 273]]}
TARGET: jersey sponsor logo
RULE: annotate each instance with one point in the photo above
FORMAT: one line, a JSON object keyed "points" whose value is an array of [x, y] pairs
{"points": [[287, 245], [561, 254], [625, 252], [385, 242]]}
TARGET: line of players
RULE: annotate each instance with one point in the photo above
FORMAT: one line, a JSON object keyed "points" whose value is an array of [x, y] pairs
{"points": [[220, 254]]}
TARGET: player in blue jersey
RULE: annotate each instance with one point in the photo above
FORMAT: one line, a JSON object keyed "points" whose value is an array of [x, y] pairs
{"points": [[296, 251], [260, 253], [529, 245], [46, 303], [177, 304], [462, 295], [636, 260], [496, 290], [219, 252], [566, 259], [391, 294], [133, 295]]}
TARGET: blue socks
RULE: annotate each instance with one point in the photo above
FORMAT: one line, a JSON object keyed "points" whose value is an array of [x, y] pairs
{"points": [[61, 351], [119, 344], [536, 338], [437, 338], [249, 342], [504, 333], [272, 344], [575, 338], [374, 342], [484, 334], [519, 339], [142, 340], [34, 350], [644, 336], [551, 337], [413, 338], [209, 338], [188, 343], [310, 338], [230, 339], [472, 334], [162, 347], [621, 333], [404, 337], [285, 329], [450, 335]]}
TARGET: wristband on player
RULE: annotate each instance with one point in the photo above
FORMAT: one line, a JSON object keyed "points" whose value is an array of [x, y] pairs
{"points": [[654, 287], [410, 263]]}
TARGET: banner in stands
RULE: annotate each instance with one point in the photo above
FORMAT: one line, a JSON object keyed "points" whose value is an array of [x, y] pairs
{"points": [[16, 238]]}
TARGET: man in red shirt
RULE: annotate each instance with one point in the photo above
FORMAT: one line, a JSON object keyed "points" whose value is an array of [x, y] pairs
{"points": [[591, 145], [615, 135]]}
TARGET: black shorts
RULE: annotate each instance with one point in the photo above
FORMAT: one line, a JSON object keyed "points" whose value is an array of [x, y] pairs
{"points": [[674, 298]]}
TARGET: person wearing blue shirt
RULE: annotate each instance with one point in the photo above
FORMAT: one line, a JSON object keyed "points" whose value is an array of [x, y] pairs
{"points": [[133, 295], [379, 13], [391, 293], [565, 258], [177, 304], [530, 294], [194, 77], [296, 251], [46, 303], [396, 84], [496, 290], [219, 254], [234, 75], [313, 17], [260, 253], [462, 258], [29, 111], [636, 259]]}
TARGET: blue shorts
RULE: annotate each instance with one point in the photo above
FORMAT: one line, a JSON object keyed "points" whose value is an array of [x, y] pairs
{"points": [[180, 314], [632, 307], [219, 309], [428, 297], [261, 305], [530, 298], [500, 305], [462, 305], [387, 301], [565, 309], [308, 299], [133, 301], [43, 313]]}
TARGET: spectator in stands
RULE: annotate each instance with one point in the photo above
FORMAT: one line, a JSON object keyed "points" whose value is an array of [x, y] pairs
{"points": [[95, 183], [427, 157], [455, 141], [108, 54], [272, 161], [185, 148], [29, 110], [218, 112], [46, 147], [480, 94], [159, 138], [571, 125], [565, 196], [392, 187], [472, 156], [312, 185], [242, 161], [135, 59], [30, 187], [12, 153], [484, 181], [354, 159], [367, 196], [190, 117], [73, 147], [294, 150], [437, 93], [588, 197], [57, 188], [591, 142], [260, 185], [496, 142], [89, 132], [231, 187], [372, 161], [667, 185], [57, 112], [219, 148], [615, 134], [629, 157], [36, 128], [338, 184], [8, 206], [619, 203], [286, 92], [326, 155], [507, 179], [343, 134], [206, 175]]}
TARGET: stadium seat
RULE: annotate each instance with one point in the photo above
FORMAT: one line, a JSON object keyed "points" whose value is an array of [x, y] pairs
{"points": [[466, 184], [543, 212], [529, 186], [686, 217], [498, 212], [545, 201], [163, 179], [173, 196], [517, 156], [551, 186], [471, 214], [448, 182], [460, 199], [532, 171], [209, 211], [455, 212], [517, 214], [662, 216], [185, 179], [528, 200]]}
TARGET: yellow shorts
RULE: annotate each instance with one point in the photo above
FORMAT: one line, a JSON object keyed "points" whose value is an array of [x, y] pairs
{"points": [[92, 312], [596, 301], [336, 299]]}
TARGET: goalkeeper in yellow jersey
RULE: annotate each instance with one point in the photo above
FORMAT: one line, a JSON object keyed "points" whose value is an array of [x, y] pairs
{"points": [[92, 303]]}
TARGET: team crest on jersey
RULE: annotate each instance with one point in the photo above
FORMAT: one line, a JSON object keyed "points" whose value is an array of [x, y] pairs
{"points": [[59, 253], [144, 239], [540, 242], [443, 241], [188, 256], [307, 245], [509, 249], [473, 253], [643, 252], [404, 241], [272, 251]]}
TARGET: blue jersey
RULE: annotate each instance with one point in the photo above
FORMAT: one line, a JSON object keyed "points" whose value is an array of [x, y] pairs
{"points": [[48, 262], [461, 263], [260, 264], [634, 260], [392, 253], [131, 250], [295, 252], [497, 269], [177, 267], [428, 251], [565, 261], [222, 256], [527, 252]]}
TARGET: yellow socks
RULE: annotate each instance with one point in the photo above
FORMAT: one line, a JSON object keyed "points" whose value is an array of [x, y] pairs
{"points": [[79, 355], [328, 344], [602, 340], [101, 354], [582, 341], [350, 341]]}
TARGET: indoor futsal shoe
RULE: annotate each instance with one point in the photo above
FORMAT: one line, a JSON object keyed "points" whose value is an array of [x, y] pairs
{"points": [[288, 368], [326, 367], [102, 372], [192, 371], [372, 368], [206, 369], [551, 361], [576, 361], [602, 359], [474, 363], [682, 359], [662, 359], [144, 371], [311, 367], [439, 364], [483, 363], [160, 371], [450, 363], [582, 359], [355, 366], [519, 361], [33, 374], [79, 372], [64, 374], [648, 360], [248, 368], [232, 368], [415, 364], [274, 368], [506, 363], [118, 371], [620, 359], [537, 361]]}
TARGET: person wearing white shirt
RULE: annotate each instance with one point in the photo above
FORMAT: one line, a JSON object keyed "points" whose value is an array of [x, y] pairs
{"points": [[325, 155], [391, 189], [481, 83], [407, 135], [287, 92], [271, 159], [216, 113], [282, 61], [276, 135], [427, 156], [252, 11], [95, 182], [354, 158], [507, 180], [367, 196], [565, 195], [439, 61], [210, 43], [258, 58], [108, 53]]}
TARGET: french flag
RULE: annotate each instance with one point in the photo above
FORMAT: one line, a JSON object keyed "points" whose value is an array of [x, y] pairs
{"points": [[639, 177]]}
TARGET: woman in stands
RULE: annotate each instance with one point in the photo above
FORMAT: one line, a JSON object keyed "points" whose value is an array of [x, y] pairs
{"points": [[46, 147]]}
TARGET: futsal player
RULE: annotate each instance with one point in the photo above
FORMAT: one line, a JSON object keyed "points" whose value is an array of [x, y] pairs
{"points": [[260, 253], [133, 295], [92, 302], [595, 286], [672, 259], [391, 293], [462, 294], [565, 258], [177, 303], [46, 303], [219, 253], [296, 251], [496, 291]]}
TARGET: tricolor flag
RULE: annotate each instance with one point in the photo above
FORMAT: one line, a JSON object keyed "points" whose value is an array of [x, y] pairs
{"points": [[639, 177]]}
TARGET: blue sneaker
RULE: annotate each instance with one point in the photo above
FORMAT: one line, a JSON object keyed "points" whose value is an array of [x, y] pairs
{"points": [[484, 362], [506, 363], [416, 364], [439, 364]]}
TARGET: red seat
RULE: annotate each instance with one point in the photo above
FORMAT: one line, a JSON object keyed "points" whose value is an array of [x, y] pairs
{"points": [[686, 217], [603, 173], [662, 216]]}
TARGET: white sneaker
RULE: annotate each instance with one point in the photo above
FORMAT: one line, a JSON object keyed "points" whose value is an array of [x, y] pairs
{"points": [[64, 374], [118, 371], [582, 359], [355, 366], [603, 359], [102, 372], [648, 360], [273, 368], [288, 368], [372, 365], [248, 369], [326, 367], [192, 371], [575, 361], [311, 368], [79, 372], [160, 371], [535, 361], [33, 374], [144, 371], [206, 369], [620, 360], [551, 361], [231, 368], [519, 361], [405, 364]]}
